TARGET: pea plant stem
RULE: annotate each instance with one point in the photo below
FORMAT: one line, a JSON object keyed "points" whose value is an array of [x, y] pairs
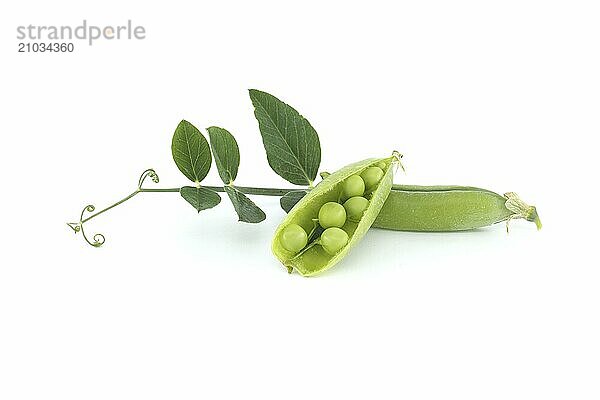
{"points": [[255, 190], [260, 191], [123, 200]]}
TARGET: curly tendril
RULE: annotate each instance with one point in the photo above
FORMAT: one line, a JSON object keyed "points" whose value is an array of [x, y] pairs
{"points": [[149, 173], [98, 239]]}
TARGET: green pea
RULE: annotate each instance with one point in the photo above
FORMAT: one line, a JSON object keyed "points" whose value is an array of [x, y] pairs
{"points": [[355, 207], [353, 186], [371, 176], [382, 165], [332, 214], [293, 238], [333, 240]]}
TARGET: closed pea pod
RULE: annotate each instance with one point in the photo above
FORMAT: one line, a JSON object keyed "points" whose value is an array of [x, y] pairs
{"points": [[450, 208], [441, 208], [323, 252]]}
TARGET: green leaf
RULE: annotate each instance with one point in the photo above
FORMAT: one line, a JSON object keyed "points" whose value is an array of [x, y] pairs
{"points": [[289, 200], [226, 152], [292, 144], [200, 198], [191, 152], [246, 209]]}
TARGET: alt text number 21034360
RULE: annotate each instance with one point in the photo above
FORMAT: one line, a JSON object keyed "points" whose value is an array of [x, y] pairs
{"points": [[36, 47]]}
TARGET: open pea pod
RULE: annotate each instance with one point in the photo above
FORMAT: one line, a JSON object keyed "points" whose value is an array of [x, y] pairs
{"points": [[312, 257]]}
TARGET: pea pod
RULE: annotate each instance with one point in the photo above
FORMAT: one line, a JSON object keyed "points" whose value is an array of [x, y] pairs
{"points": [[450, 208], [325, 248], [442, 208]]}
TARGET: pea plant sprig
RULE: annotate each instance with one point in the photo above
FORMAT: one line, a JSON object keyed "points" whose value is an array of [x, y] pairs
{"points": [[293, 152]]}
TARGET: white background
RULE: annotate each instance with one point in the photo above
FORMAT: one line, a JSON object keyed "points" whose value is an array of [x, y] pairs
{"points": [[502, 95]]}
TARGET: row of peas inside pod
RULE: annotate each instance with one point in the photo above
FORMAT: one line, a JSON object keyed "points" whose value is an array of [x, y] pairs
{"points": [[333, 217]]}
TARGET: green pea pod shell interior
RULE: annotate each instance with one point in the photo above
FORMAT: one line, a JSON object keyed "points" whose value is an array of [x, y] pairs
{"points": [[314, 259], [445, 208]]}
